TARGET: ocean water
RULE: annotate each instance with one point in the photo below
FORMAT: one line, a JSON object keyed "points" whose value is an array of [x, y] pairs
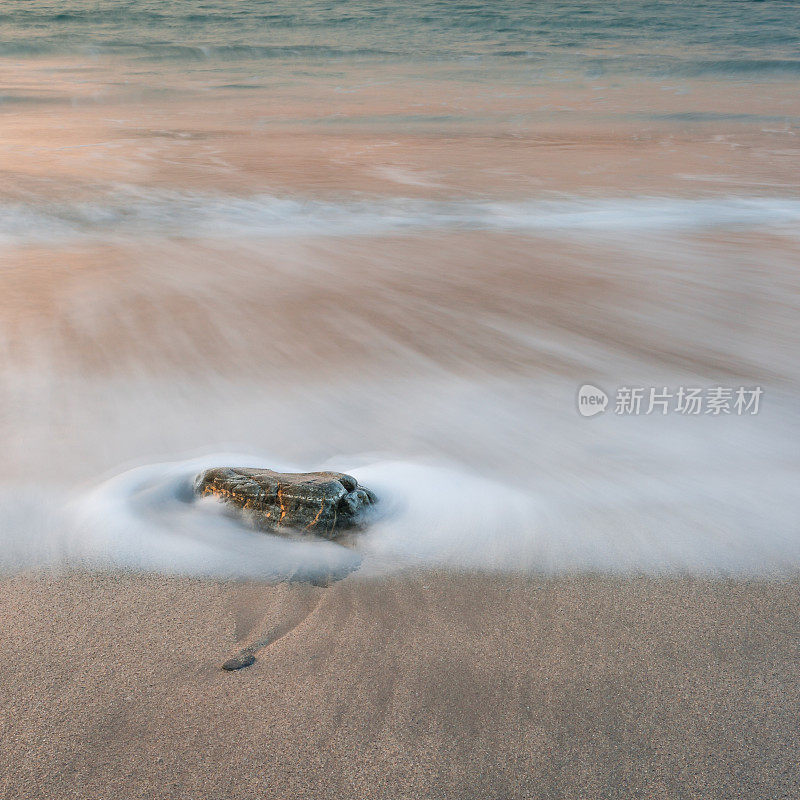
{"points": [[395, 240], [542, 37]]}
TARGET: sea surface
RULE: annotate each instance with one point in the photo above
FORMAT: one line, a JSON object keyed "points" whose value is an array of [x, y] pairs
{"points": [[396, 240]]}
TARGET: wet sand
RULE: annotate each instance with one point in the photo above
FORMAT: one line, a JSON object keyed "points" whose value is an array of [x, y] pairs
{"points": [[378, 131], [425, 686], [152, 307]]}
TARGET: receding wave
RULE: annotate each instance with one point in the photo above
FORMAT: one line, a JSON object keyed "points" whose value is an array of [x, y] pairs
{"points": [[146, 519], [173, 214]]}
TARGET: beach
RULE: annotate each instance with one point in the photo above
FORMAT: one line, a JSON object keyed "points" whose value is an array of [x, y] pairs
{"points": [[403, 243], [427, 685]]}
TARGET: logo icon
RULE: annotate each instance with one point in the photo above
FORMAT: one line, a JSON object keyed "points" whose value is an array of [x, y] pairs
{"points": [[591, 400]]}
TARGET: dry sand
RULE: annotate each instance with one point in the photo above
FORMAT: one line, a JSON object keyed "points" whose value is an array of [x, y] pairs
{"points": [[426, 686]]}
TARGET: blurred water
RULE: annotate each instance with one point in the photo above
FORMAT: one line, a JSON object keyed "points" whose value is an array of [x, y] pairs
{"points": [[394, 241], [125, 215], [711, 37]]}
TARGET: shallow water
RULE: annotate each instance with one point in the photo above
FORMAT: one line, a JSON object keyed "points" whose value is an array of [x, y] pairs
{"points": [[394, 241], [709, 37]]}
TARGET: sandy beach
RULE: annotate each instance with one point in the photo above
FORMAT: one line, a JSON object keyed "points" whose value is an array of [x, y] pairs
{"points": [[429, 685], [400, 241]]}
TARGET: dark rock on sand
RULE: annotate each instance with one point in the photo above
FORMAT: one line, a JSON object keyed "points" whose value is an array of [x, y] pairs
{"points": [[322, 503], [239, 661]]}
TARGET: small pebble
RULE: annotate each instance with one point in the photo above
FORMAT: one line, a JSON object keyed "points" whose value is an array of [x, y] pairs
{"points": [[239, 661]]}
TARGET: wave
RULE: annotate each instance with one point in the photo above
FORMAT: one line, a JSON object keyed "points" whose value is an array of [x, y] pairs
{"points": [[181, 214], [742, 67], [714, 37], [200, 51], [435, 516], [540, 62]]}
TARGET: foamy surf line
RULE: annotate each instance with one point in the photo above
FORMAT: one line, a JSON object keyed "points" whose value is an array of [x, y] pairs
{"points": [[147, 520], [170, 214]]}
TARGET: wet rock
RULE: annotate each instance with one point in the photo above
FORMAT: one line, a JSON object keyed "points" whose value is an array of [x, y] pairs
{"points": [[323, 503]]}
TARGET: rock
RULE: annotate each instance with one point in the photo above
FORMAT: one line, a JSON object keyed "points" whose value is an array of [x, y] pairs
{"points": [[321, 503], [239, 661]]}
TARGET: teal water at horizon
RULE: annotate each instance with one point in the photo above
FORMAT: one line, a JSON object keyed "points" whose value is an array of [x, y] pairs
{"points": [[736, 38]]}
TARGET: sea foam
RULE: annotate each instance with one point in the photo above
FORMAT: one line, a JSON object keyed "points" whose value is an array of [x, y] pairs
{"points": [[434, 515], [129, 212]]}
